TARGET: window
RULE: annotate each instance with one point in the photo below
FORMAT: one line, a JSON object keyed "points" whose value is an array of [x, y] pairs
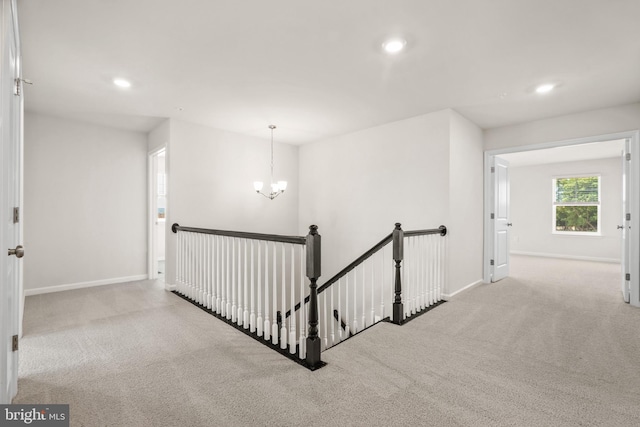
{"points": [[576, 205]]}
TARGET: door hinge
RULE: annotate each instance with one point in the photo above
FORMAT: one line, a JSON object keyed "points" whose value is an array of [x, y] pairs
{"points": [[493, 215], [16, 215], [17, 89], [628, 217], [628, 156], [493, 169], [627, 277], [491, 262], [14, 343]]}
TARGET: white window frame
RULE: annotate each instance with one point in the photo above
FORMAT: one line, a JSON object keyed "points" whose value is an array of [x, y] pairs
{"points": [[555, 204]]}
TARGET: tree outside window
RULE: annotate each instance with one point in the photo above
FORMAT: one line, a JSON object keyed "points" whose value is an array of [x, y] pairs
{"points": [[576, 205]]}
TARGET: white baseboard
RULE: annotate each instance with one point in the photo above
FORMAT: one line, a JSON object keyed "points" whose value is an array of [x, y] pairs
{"points": [[562, 256], [169, 287], [447, 296], [80, 285]]}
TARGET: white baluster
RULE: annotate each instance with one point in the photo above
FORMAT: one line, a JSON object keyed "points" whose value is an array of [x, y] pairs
{"points": [[224, 255], [414, 257], [434, 268], [259, 320], [383, 287], [252, 316], [443, 269], [418, 261], [323, 312], [412, 274], [425, 270], [283, 327], [419, 273], [196, 266], [229, 268], [214, 274], [372, 289], [439, 267], [364, 295], [194, 281], [267, 307], [245, 314], [207, 271], [303, 324], [274, 287], [201, 271], [216, 277], [332, 337], [234, 283], [178, 261], [419, 284], [408, 266], [292, 318], [190, 265], [340, 311], [347, 319], [186, 263], [355, 301], [239, 283]]}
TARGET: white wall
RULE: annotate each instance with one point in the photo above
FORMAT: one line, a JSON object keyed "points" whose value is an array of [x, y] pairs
{"points": [[211, 174], [159, 136], [532, 216], [560, 128], [356, 186], [85, 204], [466, 202]]}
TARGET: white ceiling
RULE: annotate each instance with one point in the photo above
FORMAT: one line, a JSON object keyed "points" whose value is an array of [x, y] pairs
{"points": [[315, 69], [570, 153]]}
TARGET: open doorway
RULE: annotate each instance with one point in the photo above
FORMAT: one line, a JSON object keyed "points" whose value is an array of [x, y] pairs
{"points": [[568, 200], [157, 213]]}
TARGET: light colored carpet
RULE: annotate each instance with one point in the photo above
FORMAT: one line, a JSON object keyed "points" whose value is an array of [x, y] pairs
{"points": [[552, 345]]}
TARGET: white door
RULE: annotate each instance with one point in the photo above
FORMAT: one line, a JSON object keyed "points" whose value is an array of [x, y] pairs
{"points": [[158, 213], [626, 249], [10, 215], [501, 224]]}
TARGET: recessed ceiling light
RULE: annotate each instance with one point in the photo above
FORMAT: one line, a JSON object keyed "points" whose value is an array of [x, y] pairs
{"points": [[548, 87], [394, 45], [122, 83]]}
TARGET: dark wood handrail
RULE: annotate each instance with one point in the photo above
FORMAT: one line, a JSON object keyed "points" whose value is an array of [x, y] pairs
{"points": [[296, 240], [442, 230], [346, 270], [362, 258]]}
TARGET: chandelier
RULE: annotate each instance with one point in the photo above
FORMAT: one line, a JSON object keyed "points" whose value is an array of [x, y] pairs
{"points": [[277, 188]]}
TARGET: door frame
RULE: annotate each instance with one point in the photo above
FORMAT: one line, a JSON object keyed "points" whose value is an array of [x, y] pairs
{"points": [[633, 207], [152, 180]]}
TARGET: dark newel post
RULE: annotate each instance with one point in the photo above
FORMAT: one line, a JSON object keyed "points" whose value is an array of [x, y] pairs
{"points": [[398, 241], [313, 273]]}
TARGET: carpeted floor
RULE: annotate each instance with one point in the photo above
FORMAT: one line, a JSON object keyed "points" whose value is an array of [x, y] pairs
{"points": [[552, 345]]}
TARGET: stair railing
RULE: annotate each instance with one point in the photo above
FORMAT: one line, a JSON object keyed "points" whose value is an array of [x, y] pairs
{"points": [[256, 283], [250, 279], [370, 289]]}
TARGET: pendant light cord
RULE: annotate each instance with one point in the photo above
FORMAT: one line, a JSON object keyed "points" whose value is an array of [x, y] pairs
{"points": [[272, 127]]}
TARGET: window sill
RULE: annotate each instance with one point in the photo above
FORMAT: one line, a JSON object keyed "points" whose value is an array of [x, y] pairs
{"points": [[576, 233]]}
